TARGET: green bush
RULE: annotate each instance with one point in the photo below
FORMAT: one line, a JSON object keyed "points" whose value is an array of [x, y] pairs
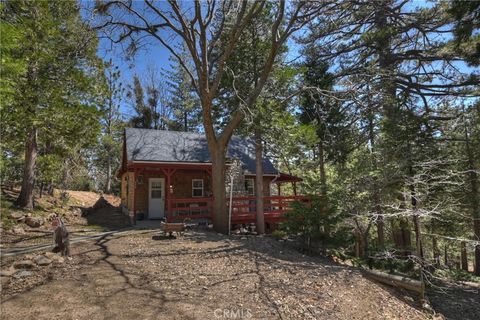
{"points": [[82, 183], [279, 234], [315, 221]]}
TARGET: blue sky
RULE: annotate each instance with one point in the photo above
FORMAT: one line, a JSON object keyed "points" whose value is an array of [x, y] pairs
{"points": [[153, 55]]}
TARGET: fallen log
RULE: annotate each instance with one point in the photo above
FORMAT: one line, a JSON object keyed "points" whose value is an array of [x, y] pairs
{"points": [[397, 281]]}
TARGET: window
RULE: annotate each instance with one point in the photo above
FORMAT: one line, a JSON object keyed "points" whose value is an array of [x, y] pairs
{"points": [[250, 186], [156, 190], [197, 187]]}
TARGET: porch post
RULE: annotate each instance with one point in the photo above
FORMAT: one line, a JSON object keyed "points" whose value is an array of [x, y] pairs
{"points": [[167, 195], [134, 197], [168, 180], [279, 194]]}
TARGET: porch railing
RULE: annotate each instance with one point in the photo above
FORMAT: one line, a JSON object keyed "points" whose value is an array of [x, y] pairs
{"points": [[243, 208], [189, 208]]}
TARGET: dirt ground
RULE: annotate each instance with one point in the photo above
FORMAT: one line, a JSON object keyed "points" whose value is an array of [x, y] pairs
{"points": [[201, 275], [103, 219]]}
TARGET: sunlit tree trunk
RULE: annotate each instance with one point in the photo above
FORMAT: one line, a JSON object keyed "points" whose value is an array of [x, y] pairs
{"points": [[25, 199], [260, 219]]}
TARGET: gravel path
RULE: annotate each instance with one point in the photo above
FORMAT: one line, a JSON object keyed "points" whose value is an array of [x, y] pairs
{"points": [[202, 275]]}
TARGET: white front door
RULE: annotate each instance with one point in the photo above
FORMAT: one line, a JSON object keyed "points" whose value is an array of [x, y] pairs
{"points": [[156, 198]]}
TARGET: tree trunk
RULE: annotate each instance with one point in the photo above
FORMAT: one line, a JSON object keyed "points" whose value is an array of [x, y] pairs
{"points": [[218, 187], [108, 186], [323, 190], [259, 182], [185, 121], [323, 175], [380, 232], [417, 227], [25, 199], [463, 252], [474, 198], [376, 193], [445, 254]]}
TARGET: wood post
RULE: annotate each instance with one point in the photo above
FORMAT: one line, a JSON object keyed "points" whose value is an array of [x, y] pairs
{"points": [[168, 180], [463, 252], [445, 255], [134, 196]]}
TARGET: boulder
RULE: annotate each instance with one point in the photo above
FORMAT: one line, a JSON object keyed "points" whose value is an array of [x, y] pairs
{"points": [[23, 274], [18, 230], [54, 257], [34, 222], [42, 260], [8, 272], [4, 281], [59, 259], [16, 215], [24, 264], [50, 255], [76, 211]]}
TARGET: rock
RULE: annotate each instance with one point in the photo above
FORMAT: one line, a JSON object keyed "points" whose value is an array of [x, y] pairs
{"points": [[50, 255], [8, 272], [54, 257], [42, 260], [76, 211], [23, 264], [16, 215], [18, 230], [426, 306], [23, 274], [4, 281], [34, 222]]}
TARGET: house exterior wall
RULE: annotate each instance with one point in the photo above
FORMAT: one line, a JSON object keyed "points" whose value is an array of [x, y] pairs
{"points": [[181, 182], [127, 190], [266, 183], [141, 195]]}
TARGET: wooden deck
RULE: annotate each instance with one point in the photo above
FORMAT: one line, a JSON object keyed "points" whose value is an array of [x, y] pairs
{"points": [[243, 208]]}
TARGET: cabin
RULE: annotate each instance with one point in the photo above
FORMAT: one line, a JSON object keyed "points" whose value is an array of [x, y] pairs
{"points": [[167, 175]]}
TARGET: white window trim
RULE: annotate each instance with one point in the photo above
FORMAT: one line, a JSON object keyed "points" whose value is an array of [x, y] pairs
{"points": [[253, 186], [193, 188]]}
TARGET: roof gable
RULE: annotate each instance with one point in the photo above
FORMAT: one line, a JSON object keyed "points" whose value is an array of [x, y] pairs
{"points": [[175, 146]]}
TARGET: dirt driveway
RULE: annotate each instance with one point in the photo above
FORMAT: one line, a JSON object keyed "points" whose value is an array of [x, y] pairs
{"points": [[200, 276]]}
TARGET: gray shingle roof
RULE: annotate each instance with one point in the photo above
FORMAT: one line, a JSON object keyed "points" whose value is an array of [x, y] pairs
{"points": [[175, 146]]}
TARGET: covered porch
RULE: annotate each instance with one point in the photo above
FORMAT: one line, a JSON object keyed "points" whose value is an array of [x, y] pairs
{"points": [[179, 192]]}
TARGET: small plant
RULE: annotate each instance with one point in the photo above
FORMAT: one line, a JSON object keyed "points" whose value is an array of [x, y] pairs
{"points": [[64, 198], [279, 234]]}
